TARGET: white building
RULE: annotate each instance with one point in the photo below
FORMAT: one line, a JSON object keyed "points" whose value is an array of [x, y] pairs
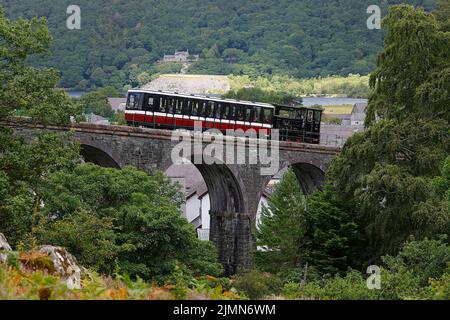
{"points": [[180, 56], [358, 114]]}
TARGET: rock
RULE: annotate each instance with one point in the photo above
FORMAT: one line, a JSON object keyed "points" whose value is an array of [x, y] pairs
{"points": [[4, 246], [65, 265]]}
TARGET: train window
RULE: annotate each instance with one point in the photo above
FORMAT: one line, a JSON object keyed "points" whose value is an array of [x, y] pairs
{"points": [[209, 110], [195, 106], [284, 113], [178, 106], [239, 113], [317, 116], [257, 114], [201, 109], [133, 101], [310, 115], [226, 111], [172, 104], [267, 115], [163, 104], [150, 102], [218, 110], [186, 106], [300, 114], [248, 114]]}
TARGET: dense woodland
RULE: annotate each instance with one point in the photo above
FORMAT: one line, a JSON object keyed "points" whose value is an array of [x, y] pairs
{"points": [[120, 41], [386, 200]]}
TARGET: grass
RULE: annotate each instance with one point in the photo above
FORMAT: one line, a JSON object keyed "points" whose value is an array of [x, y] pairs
{"points": [[338, 109]]}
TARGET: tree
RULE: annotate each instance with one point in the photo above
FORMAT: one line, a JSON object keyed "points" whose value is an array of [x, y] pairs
{"points": [[282, 227], [332, 233], [24, 166], [23, 169], [257, 94], [386, 172], [96, 102], [137, 216], [26, 88], [411, 78]]}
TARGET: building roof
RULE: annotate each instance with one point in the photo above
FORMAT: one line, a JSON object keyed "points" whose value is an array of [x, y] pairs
{"points": [[117, 104], [358, 112], [359, 108]]}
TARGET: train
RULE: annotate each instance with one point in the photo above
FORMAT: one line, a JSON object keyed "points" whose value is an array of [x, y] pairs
{"points": [[173, 110]]}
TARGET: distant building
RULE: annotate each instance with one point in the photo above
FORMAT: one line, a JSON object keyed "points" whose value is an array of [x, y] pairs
{"points": [[180, 56], [358, 114], [117, 104]]}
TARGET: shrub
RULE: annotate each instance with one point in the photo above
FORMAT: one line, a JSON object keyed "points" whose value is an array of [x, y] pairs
{"points": [[256, 284]]}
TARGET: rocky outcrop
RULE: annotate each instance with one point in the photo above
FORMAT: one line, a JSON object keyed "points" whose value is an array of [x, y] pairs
{"points": [[65, 265], [4, 246]]}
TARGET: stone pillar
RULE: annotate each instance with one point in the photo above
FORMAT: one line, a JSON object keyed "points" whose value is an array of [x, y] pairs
{"points": [[231, 233]]}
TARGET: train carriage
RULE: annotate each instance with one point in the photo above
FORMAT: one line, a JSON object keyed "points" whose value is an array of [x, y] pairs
{"points": [[164, 110]]}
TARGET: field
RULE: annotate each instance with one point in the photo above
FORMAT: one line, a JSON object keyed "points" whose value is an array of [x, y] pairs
{"points": [[338, 109]]}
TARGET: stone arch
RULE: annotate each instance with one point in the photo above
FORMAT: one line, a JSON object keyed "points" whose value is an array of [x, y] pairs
{"points": [[309, 176], [230, 224], [98, 156], [225, 189]]}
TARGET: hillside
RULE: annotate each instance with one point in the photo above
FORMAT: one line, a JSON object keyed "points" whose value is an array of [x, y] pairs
{"points": [[190, 83], [120, 41]]}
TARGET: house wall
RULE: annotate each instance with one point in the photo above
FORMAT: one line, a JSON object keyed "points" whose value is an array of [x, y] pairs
{"points": [[192, 208], [205, 205]]}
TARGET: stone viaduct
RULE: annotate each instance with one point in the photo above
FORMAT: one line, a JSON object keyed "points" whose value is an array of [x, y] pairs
{"points": [[234, 189]]}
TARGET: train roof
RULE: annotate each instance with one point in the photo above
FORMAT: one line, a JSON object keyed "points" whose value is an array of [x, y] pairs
{"points": [[205, 97]]}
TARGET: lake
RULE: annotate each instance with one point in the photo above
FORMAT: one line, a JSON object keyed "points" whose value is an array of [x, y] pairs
{"points": [[75, 94]]}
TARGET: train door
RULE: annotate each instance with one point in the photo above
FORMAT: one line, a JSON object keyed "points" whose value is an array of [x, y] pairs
{"points": [[150, 103]]}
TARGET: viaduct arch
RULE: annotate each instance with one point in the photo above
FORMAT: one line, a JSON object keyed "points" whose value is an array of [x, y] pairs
{"points": [[235, 189]]}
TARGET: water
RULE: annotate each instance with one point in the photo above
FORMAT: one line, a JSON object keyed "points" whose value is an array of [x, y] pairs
{"points": [[76, 94], [310, 101]]}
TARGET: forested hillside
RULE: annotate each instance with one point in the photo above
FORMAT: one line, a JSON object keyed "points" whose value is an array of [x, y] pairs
{"points": [[120, 41]]}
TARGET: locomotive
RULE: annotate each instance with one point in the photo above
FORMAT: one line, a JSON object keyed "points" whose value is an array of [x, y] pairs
{"points": [[166, 110]]}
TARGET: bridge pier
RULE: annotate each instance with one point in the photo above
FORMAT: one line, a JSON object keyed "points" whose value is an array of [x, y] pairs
{"points": [[231, 234]]}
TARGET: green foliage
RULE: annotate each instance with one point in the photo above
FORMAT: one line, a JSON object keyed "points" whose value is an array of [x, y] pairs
{"points": [[148, 227], [319, 231], [419, 271], [412, 75], [353, 85], [387, 172], [96, 102], [15, 284], [26, 88], [257, 284], [332, 233], [91, 239], [301, 39], [425, 259], [119, 118], [256, 94], [23, 169], [282, 227]]}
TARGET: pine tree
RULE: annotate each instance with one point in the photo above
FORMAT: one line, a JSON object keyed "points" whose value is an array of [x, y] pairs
{"points": [[386, 172], [283, 226]]}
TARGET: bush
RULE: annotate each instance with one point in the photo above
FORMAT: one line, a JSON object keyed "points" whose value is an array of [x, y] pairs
{"points": [[351, 287], [105, 211], [256, 284]]}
